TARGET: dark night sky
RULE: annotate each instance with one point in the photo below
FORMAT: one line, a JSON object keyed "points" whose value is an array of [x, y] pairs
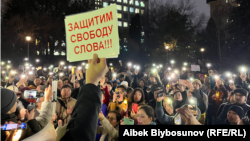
{"points": [[201, 6]]}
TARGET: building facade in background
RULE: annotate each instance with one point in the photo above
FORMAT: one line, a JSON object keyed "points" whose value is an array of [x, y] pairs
{"points": [[126, 10]]}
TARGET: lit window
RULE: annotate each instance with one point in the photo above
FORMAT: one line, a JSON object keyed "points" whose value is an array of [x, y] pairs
{"points": [[137, 10], [125, 24], [125, 1], [226, 1], [95, 7], [137, 3], [142, 33], [105, 4], [142, 4], [119, 23], [131, 2], [119, 0], [95, 2], [131, 9], [119, 15], [119, 7], [63, 53], [125, 8], [142, 11]]}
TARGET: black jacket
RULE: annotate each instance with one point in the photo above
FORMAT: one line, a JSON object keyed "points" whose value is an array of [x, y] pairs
{"points": [[84, 118], [223, 115], [135, 84], [75, 92]]}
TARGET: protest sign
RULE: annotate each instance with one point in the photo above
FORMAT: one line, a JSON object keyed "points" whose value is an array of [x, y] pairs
{"points": [[195, 68], [92, 32]]}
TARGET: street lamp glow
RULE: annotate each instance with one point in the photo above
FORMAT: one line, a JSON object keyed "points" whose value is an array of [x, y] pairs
{"points": [[208, 65], [28, 38], [37, 60], [185, 64], [202, 49], [172, 61]]}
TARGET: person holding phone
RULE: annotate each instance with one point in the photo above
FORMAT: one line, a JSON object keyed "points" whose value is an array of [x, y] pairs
{"points": [[110, 126], [118, 99], [164, 111]]}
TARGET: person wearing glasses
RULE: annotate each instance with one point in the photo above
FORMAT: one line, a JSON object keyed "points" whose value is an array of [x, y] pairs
{"points": [[118, 99]]}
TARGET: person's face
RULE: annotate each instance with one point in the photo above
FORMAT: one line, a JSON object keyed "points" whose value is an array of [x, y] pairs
{"points": [[152, 79], [66, 82], [197, 86], [121, 92], [59, 85], [178, 97], [143, 118], [109, 87], [43, 80], [66, 93], [239, 98], [207, 81], [232, 99], [38, 81], [121, 79], [137, 96], [39, 103], [76, 84], [112, 119], [189, 94], [141, 84], [106, 79], [202, 79], [129, 94], [233, 117], [115, 84]]}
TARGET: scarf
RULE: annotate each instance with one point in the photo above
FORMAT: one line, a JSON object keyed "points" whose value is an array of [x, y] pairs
{"points": [[8, 117]]}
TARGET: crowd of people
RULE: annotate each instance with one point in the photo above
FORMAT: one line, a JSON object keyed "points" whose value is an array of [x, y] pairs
{"points": [[93, 100]]}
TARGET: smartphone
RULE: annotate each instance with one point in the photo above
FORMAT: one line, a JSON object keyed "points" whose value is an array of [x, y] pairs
{"points": [[135, 107], [73, 70], [43, 87], [169, 100], [192, 103], [7, 127], [30, 94], [181, 81], [128, 121], [177, 119], [31, 106], [160, 93]]}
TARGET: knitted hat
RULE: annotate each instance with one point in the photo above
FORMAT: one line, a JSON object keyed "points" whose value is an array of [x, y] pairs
{"points": [[238, 110], [241, 91], [8, 100], [197, 81], [125, 83], [201, 75]]}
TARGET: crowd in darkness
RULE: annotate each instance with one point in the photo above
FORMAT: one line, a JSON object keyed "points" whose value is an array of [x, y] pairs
{"points": [[92, 102]]}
